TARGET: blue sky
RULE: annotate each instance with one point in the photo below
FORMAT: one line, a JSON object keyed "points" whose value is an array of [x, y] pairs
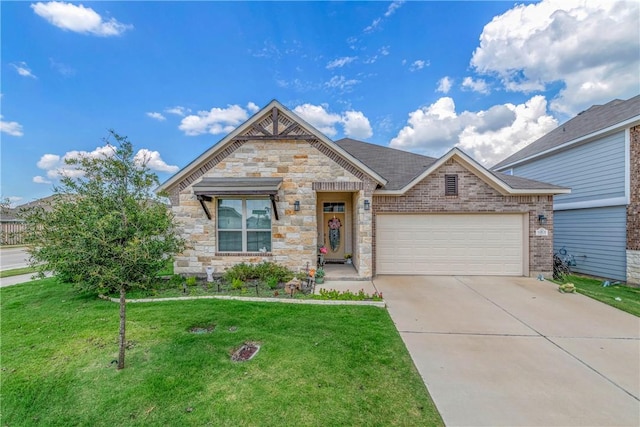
{"points": [[175, 77]]}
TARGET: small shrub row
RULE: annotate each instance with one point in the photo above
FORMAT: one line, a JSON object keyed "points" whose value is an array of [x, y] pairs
{"points": [[268, 272], [361, 295]]}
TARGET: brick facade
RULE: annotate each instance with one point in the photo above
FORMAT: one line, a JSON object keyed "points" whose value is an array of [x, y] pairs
{"points": [[475, 196], [633, 208]]}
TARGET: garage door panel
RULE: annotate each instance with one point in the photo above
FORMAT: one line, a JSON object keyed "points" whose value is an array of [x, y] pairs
{"points": [[473, 244]]}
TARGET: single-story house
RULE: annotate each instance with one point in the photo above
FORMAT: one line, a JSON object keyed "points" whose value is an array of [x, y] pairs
{"points": [[277, 189], [597, 155]]}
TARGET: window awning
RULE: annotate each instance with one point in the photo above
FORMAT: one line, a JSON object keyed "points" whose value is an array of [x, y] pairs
{"points": [[212, 187], [237, 186]]}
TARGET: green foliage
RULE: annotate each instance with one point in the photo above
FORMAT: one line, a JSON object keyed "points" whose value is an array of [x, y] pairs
{"points": [[273, 282], [361, 295], [237, 284], [191, 280], [263, 271], [176, 281], [320, 273], [105, 229]]}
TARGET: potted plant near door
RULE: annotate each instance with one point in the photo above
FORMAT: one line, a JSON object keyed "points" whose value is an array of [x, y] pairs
{"points": [[320, 276], [347, 258]]}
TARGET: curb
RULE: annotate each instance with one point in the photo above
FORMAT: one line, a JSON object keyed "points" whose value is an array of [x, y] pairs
{"points": [[380, 304]]}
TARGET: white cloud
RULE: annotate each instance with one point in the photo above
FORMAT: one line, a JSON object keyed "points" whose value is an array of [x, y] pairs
{"points": [[488, 136], [253, 107], [56, 166], [214, 121], [319, 118], [589, 47], [41, 180], [477, 85], [354, 123], [418, 65], [390, 11], [340, 62], [178, 110], [393, 7], [61, 68], [373, 25], [341, 83], [157, 116], [12, 128], [48, 161], [23, 69], [153, 161], [78, 19], [444, 84]]}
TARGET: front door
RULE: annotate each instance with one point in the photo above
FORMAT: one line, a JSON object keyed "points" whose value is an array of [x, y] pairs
{"points": [[334, 230]]}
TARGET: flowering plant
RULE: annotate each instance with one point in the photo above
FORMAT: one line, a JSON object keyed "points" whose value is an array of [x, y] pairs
{"points": [[323, 249]]}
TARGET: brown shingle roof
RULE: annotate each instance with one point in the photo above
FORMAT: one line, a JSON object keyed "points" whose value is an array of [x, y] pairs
{"points": [[396, 166], [596, 118]]}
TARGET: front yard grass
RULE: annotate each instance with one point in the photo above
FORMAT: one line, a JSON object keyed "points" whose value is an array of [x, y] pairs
{"points": [[629, 297], [317, 365]]}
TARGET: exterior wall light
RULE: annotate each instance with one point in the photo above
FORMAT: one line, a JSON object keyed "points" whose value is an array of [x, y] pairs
{"points": [[542, 220], [367, 205], [296, 206]]}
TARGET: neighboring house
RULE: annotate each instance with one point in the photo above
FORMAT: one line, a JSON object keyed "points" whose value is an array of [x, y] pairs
{"points": [[12, 226], [597, 155], [276, 189]]}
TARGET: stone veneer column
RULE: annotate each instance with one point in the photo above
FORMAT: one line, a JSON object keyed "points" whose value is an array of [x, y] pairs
{"points": [[633, 209]]}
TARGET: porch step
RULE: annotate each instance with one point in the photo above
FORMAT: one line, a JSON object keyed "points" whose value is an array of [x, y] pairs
{"points": [[345, 278], [340, 272]]}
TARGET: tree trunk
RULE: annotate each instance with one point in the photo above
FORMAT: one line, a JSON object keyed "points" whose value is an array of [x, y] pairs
{"points": [[122, 340]]}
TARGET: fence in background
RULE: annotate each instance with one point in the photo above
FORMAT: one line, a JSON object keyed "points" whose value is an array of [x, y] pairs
{"points": [[12, 232]]}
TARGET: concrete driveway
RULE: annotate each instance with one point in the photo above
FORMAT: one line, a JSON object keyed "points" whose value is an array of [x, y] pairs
{"points": [[514, 351]]}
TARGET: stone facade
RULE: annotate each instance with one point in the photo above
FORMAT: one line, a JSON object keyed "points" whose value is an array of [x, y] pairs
{"points": [[633, 209], [475, 196], [305, 168]]}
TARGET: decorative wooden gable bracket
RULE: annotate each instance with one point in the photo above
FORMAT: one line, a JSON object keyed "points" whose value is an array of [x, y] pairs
{"points": [[257, 131], [202, 199]]}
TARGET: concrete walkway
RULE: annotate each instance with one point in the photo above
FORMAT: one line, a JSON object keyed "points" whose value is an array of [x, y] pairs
{"points": [[516, 352]]}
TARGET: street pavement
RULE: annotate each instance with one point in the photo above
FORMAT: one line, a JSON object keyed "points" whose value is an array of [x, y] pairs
{"points": [[13, 257]]}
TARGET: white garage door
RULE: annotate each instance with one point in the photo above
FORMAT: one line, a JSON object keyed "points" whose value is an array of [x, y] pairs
{"points": [[453, 244]]}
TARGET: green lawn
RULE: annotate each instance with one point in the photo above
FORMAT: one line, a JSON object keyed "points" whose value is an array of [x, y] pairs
{"points": [[318, 365], [629, 297]]}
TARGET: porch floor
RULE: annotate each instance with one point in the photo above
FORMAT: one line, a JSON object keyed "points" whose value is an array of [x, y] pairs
{"points": [[340, 272]]}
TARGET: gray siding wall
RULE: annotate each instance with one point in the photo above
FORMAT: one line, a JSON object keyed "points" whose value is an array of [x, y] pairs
{"points": [[593, 171], [597, 239]]}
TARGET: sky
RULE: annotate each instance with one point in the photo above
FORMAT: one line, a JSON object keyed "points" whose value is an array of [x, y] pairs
{"points": [[420, 76]]}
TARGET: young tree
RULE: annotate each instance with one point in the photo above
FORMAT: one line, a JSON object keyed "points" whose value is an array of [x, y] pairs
{"points": [[105, 230]]}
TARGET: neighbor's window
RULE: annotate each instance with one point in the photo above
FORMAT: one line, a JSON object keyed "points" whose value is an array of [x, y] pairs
{"points": [[451, 185], [244, 225]]}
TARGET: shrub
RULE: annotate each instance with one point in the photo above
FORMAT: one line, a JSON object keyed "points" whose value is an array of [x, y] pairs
{"points": [[273, 282], [237, 284], [263, 271]]}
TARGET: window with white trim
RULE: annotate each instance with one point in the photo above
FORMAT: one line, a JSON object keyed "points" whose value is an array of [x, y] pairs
{"points": [[244, 225]]}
